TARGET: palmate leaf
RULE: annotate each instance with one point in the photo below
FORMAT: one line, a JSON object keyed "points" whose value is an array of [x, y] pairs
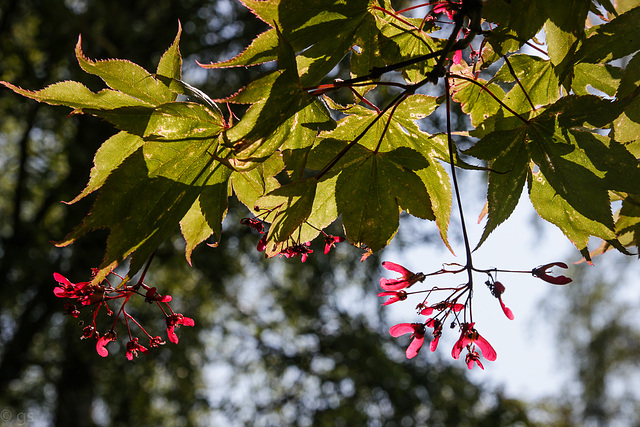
{"points": [[395, 174], [392, 167], [538, 82], [160, 170], [564, 163], [282, 115], [75, 95], [323, 31], [143, 200]]}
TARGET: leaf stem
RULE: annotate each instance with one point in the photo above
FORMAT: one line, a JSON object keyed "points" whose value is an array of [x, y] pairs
{"points": [[467, 247]]}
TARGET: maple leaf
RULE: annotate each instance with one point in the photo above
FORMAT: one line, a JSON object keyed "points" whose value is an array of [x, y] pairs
{"points": [[282, 116], [569, 169], [159, 170], [322, 31], [393, 167]]}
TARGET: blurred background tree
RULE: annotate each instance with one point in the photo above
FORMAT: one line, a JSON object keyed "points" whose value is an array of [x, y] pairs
{"points": [[596, 328], [276, 342]]}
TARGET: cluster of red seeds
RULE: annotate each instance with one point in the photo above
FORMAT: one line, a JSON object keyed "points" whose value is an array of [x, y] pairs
{"points": [[470, 339], [302, 250], [97, 297]]}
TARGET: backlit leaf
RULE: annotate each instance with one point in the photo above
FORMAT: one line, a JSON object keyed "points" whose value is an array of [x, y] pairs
{"points": [[127, 77]]}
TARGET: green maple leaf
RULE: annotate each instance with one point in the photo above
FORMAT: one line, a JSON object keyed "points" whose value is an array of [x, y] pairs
{"points": [[509, 165], [630, 79], [145, 198], [250, 185], [476, 99], [400, 41], [518, 21], [289, 206], [374, 190], [555, 209], [160, 170], [391, 167], [173, 120], [538, 82], [612, 40], [282, 116], [564, 28], [128, 77], [565, 163], [603, 77], [109, 156], [628, 219], [118, 74], [626, 127], [206, 214], [323, 31], [297, 212], [78, 96], [627, 227]]}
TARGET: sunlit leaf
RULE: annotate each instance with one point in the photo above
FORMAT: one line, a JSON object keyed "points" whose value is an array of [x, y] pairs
{"points": [[538, 82], [171, 121], [127, 77], [143, 200], [324, 31], [77, 96], [509, 166], [602, 77], [109, 156], [205, 216], [170, 65], [564, 27]]}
